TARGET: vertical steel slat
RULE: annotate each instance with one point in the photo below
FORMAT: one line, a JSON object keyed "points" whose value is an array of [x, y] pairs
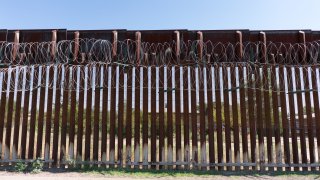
{"points": [[112, 114], [227, 116], [202, 117], [33, 112], [284, 118], [161, 116], [209, 110], [42, 78], [73, 95], [309, 116], [25, 114], [275, 110], [65, 107], [96, 113], [315, 94], [137, 115], [267, 114], [145, 118], [73, 104], [137, 100], [57, 116], [260, 118], [9, 115], [235, 116], [243, 115], [17, 116], [301, 117], [80, 113], [302, 60], [3, 106], [169, 116], [186, 120], [87, 145], [50, 98], [194, 118], [105, 113], [251, 113], [153, 116], [201, 100], [129, 116], [113, 103], [178, 115], [265, 101], [218, 108], [9, 124], [120, 116], [177, 100], [49, 114], [97, 78], [239, 53], [292, 118]]}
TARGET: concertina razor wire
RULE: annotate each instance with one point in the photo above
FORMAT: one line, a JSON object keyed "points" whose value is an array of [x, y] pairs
{"points": [[28, 66]]}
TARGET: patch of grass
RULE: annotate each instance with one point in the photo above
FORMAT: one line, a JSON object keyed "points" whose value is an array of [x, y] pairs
{"points": [[185, 173], [70, 162], [139, 172], [20, 167], [35, 166]]}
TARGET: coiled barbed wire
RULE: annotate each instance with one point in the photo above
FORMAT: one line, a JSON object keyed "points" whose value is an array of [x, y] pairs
{"points": [[99, 76], [191, 52], [87, 62]]}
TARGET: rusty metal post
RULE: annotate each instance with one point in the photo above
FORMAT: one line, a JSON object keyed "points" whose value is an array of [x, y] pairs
{"points": [[137, 103], [259, 101], [153, 111], [76, 46], [177, 101], [201, 82], [16, 45], [145, 126], [18, 109], [235, 110], [113, 101], [138, 47], [53, 44]]}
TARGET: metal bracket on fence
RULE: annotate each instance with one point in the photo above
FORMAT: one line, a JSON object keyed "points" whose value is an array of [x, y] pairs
{"points": [[169, 90], [301, 91], [232, 89], [100, 87], [125, 65]]}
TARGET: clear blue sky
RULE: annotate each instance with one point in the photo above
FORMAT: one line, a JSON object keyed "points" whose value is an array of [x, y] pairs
{"points": [[161, 14]]}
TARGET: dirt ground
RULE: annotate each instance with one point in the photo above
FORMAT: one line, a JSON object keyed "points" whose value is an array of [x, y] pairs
{"points": [[81, 176]]}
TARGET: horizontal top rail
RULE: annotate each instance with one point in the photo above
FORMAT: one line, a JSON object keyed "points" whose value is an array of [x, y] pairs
{"points": [[159, 36]]}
